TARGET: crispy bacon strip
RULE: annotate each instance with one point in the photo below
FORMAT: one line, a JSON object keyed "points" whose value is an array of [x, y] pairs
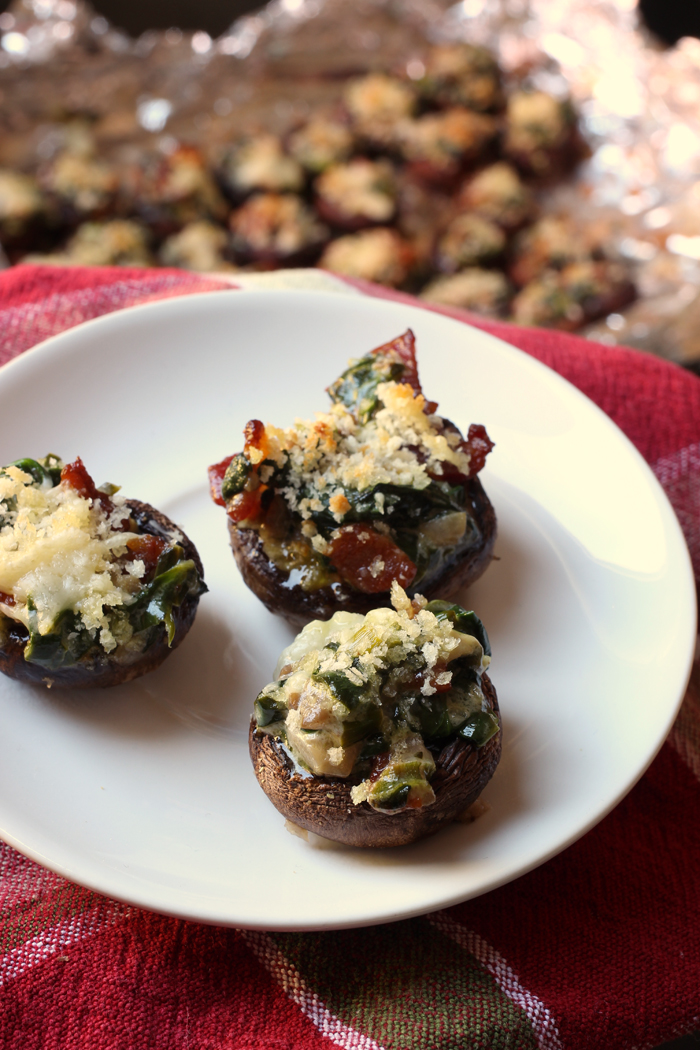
{"points": [[75, 475], [255, 440], [216, 478], [368, 560], [478, 445], [405, 347], [148, 548], [246, 506]]}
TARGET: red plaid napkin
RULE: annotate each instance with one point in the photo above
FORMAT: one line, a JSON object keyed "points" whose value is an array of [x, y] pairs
{"points": [[599, 949]]}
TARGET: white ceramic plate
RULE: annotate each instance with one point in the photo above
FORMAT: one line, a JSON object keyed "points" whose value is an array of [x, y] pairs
{"points": [[146, 792]]}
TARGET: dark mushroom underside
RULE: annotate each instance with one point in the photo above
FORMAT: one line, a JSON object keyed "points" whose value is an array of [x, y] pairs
{"points": [[324, 805], [99, 669], [298, 606]]}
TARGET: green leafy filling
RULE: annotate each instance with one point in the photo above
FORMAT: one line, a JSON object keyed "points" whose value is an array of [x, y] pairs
{"points": [[236, 475], [69, 641], [166, 591], [66, 643], [356, 388], [466, 622], [390, 706]]}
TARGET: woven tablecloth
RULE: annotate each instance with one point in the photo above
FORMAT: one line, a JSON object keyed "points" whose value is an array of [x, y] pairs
{"points": [[598, 949]]}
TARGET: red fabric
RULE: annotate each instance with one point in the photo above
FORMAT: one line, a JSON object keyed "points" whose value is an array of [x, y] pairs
{"points": [[154, 984], [599, 947], [606, 932], [661, 392]]}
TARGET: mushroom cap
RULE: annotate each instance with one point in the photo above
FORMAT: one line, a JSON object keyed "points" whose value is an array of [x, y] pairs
{"points": [[324, 804], [101, 669]]}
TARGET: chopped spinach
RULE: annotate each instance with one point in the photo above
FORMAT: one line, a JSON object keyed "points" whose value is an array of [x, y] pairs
{"points": [[373, 745], [268, 710], [463, 621], [167, 590], [364, 726], [396, 798], [356, 388], [400, 506], [428, 715], [479, 728], [236, 476], [342, 688], [66, 644]]}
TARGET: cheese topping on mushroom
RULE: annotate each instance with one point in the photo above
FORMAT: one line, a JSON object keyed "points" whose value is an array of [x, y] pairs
{"points": [[370, 694], [58, 550]]}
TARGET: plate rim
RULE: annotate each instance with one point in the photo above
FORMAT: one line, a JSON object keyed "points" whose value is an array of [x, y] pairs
{"points": [[52, 345]]}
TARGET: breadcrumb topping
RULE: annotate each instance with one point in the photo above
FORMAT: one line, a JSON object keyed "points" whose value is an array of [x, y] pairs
{"points": [[400, 445], [59, 549]]}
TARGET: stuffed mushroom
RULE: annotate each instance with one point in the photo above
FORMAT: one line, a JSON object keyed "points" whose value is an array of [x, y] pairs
{"points": [[270, 230], [326, 514], [438, 147], [541, 134], [380, 255], [379, 729], [95, 589], [486, 292], [260, 164], [580, 292], [462, 74], [169, 190], [376, 104], [357, 194]]}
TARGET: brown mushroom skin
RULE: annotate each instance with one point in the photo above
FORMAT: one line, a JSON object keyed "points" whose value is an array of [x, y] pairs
{"points": [[99, 669], [298, 606], [324, 804]]}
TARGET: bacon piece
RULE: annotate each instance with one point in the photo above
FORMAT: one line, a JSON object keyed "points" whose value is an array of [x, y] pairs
{"points": [[216, 478], [246, 506], [478, 445], [7, 599], [368, 560], [76, 476], [148, 548], [405, 347], [432, 678], [255, 439]]}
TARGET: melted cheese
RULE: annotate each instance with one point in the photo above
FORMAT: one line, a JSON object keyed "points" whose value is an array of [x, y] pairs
{"points": [[361, 187], [58, 549], [261, 163], [373, 255], [382, 639], [379, 97], [400, 445]]}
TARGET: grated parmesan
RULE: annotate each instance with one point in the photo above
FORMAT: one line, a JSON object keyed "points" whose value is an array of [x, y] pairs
{"points": [[59, 549], [382, 658], [400, 445]]}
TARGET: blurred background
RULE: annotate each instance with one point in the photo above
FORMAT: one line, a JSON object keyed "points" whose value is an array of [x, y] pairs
{"points": [[668, 19], [536, 160]]}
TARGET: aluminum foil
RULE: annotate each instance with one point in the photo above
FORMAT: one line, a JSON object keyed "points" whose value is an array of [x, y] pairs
{"points": [[638, 104]]}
